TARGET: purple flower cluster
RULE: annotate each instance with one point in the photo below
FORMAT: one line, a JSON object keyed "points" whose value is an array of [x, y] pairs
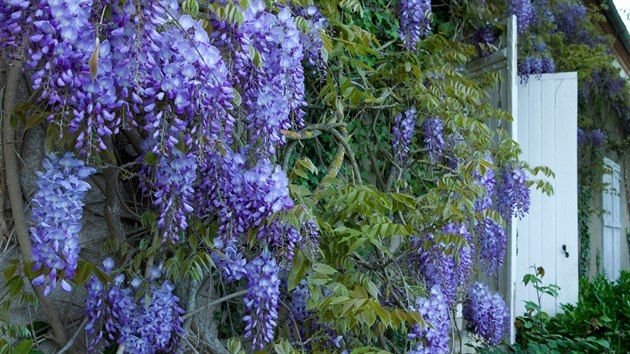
{"points": [[535, 65], [149, 323], [487, 181], [88, 68], [486, 34], [525, 13], [273, 91], [438, 268], [312, 39], [243, 196], [492, 241], [433, 337], [183, 77], [231, 263], [402, 132], [261, 301], [57, 213], [434, 144], [282, 238], [512, 193], [175, 175], [596, 137], [570, 19], [486, 313], [415, 22]]}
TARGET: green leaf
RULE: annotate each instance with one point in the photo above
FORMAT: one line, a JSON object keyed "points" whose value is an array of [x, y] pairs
{"points": [[323, 269], [23, 347]]}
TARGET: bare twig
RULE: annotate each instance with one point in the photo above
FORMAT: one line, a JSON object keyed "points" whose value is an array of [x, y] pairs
{"points": [[215, 302], [17, 204], [191, 303], [74, 337]]}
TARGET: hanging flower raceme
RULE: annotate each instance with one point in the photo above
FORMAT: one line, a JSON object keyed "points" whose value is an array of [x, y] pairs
{"points": [[492, 242], [261, 300], [525, 14], [434, 144], [437, 267], [486, 313], [487, 181], [274, 91], [148, 323], [402, 132], [512, 193], [174, 177], [312, 39], [231, 263], [415, 22], [282, 238], [433, 338], [247, 195], [57, 213]]}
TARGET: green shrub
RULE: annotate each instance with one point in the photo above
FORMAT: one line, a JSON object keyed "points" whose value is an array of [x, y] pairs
{"points": [[598, 323]]}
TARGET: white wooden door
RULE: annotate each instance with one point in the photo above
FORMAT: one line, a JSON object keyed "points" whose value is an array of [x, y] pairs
{"points": [[611, 235], [548, 235]]}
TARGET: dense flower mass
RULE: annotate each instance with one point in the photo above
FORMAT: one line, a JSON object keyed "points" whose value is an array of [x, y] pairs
{"points": [[174, 179], [402, 132], [434, 144], [440, 268], [525, 14], [512, 193], [433, 339], [261, 301], [57, 213], [243, 196], [274, 91], [148, 323], [85, 69], [492, 241], [486, 313], [311, 40], [596, 137], [487, 181], [282, 238], [415, 22], [231, 263]]}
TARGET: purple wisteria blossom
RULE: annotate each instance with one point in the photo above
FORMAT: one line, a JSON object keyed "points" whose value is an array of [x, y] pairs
{"points": [[149, 323], [312, 40], [525, 13], [245, 196], [486, 34], [86, 75], [434, 144], [174, 180], [492, 241], [596, 137], [438, 267], [432, 338], [57, 213], [512, 193], [581, 137], [415, 22], [487, 181], [402, 133], [261, 301], [486, 313], [282, 239], [231, 263], [273, 92]]}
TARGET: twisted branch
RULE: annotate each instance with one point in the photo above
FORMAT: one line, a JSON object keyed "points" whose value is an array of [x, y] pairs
{"points": [[17, 205]]}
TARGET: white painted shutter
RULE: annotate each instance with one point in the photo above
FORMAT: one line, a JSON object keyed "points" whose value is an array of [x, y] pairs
{"points": [[611, 203], [547, 134], [503, 95]]}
